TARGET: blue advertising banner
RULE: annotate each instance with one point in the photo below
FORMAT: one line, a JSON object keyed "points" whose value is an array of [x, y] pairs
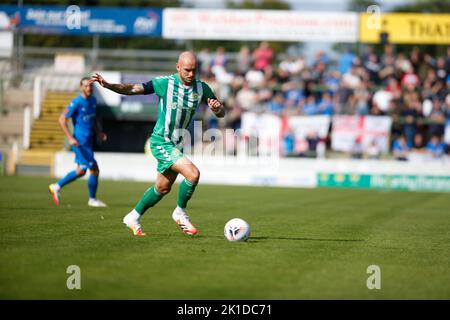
{"points": [[90, 20]]}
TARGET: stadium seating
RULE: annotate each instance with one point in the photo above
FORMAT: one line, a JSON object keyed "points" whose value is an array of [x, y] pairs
{"points": [[46, 135]]}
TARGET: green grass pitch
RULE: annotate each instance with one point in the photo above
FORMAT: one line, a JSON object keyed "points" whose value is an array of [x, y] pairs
{"points": [[305, 244]]}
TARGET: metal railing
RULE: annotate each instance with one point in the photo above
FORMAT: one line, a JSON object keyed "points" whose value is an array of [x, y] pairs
{"points": [[110, 59]]}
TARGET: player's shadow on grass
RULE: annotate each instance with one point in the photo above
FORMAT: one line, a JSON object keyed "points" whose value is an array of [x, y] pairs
{"points": [[303, 239]]}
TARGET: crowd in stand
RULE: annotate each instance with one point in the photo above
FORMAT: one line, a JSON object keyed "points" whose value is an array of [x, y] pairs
{"points": [[412, 87]]}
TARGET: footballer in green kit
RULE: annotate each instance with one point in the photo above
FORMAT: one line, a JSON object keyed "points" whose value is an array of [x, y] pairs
{"points": [[179, 96]]}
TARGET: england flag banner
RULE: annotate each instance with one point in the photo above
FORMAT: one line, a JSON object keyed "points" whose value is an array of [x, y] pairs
{"points": [[307, 126], [348, 131]]}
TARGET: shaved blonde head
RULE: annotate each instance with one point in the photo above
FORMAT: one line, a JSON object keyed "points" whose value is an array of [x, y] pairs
{"points": [[187, 57], [187, 67]]}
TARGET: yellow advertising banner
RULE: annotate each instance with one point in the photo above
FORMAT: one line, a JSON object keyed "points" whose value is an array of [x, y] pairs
{"points": [[405, 28]]}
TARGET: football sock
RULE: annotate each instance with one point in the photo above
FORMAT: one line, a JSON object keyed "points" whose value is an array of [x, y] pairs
{"points": [[134, 214], [71, 176], [149, 199], [185, 192], [92, 186]]}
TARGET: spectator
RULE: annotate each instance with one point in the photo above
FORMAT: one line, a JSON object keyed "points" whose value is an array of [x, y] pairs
{"points": [[400, 149], [447, 108], [373, 67], [362, 97], [205, 61], [310, 108], [373, 151], [326, 105], [332, 81], [276, 104], [263, 56], [247, 98], [441, 70], [289, 143], [321, 57], [388, 53], [435, 147], [313, 141], [381, 101], [410, 114], [418, 145], [357, 149], [220, 58], [410, 79], [437, 119], [292, 65], [447, 62], [351, 80], [346, 61], [387, 69], [255, 77], [244, 60]]}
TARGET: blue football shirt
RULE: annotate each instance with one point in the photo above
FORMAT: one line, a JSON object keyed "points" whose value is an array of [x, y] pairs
{"points": [[82, 113]]}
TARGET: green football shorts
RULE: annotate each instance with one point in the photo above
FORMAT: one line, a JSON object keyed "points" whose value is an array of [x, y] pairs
{"points": [[166, 153]]}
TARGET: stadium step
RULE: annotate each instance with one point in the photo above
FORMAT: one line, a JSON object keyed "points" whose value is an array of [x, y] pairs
{"points": [[46, 133], [36, 158], [34, 162], [46, 136]]}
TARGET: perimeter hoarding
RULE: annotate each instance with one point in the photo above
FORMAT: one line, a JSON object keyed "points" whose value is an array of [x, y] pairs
{"points": [[270, 25], [384, 181], [406, 28], [77, 20]]}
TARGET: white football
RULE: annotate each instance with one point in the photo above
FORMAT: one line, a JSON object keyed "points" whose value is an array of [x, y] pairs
{"points": [[236, 230]]}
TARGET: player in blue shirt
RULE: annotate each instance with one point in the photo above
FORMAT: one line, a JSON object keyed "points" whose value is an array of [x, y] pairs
{"points": [[82, 112]]}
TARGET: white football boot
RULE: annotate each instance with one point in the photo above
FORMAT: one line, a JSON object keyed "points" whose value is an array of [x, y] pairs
{"points": [[55, 191], [96, 203], [133, 221], [182, 220]]}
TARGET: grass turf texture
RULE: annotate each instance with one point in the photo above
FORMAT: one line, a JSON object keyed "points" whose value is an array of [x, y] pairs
{"points": [[304, 244]]}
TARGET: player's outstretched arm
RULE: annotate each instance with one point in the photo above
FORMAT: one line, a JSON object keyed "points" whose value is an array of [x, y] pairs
{"points": [[121, 88], [217, 107]]}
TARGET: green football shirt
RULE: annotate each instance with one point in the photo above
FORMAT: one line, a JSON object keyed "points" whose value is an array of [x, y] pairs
{"points": [[177, 105]]}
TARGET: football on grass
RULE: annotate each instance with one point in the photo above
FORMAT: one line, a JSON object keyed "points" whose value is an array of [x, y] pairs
{"points": [[237, 230]]}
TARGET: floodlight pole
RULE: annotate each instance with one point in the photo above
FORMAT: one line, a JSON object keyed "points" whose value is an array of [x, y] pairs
{"points": [[95, 47], [18, 35]]}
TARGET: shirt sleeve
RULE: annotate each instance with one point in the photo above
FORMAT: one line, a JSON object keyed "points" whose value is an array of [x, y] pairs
{"points": [[148, 87], [71, 109], [160, 86], [207, 92]]}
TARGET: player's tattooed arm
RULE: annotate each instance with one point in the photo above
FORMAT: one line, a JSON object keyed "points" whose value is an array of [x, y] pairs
{"points": [[121, 88]]}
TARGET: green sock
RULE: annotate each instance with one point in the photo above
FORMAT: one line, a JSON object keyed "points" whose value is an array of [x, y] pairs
{"points": [[149, 199], [185, 192]]}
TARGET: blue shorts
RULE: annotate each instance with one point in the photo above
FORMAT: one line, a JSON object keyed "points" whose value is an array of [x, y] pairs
{"points": [[84, 157]]}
